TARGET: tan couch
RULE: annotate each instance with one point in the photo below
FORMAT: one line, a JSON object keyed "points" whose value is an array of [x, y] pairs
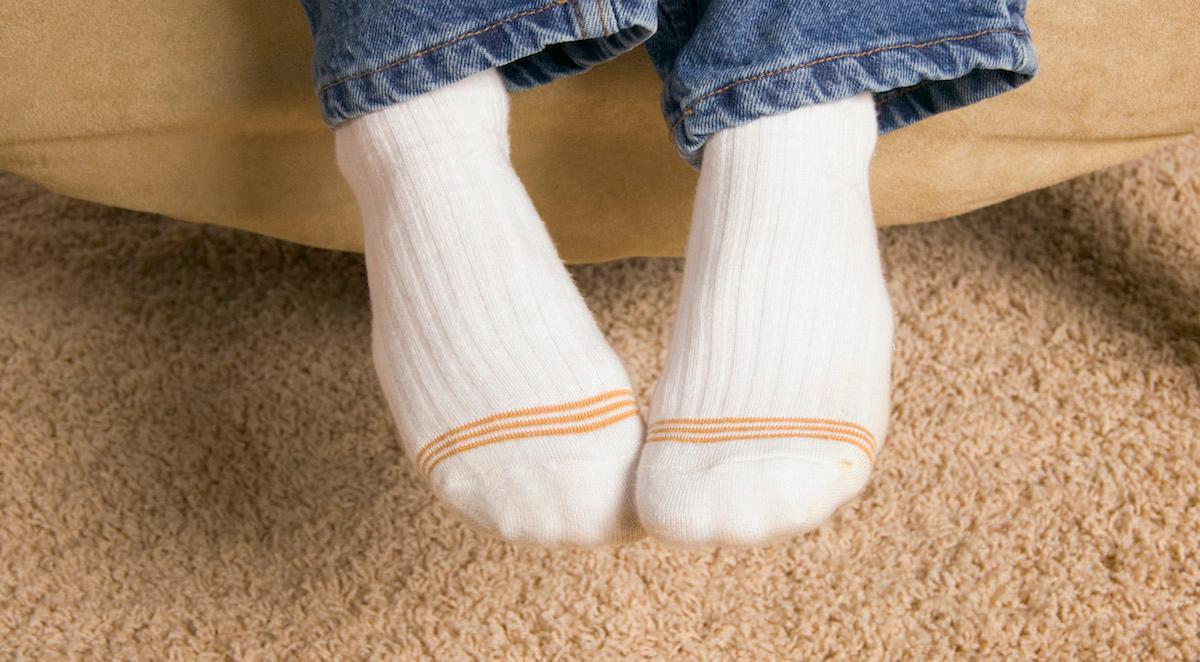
{"points": [[205, 112]]}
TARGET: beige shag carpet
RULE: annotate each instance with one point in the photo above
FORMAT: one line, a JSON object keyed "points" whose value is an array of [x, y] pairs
{"points": [[195, 462]]}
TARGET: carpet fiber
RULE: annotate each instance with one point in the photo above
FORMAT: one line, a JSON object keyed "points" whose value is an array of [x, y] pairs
{"points": [[195, 462]]}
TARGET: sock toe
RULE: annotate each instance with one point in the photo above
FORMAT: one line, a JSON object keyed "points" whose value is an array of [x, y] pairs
{"points": [[744, 502], [573, 503]]}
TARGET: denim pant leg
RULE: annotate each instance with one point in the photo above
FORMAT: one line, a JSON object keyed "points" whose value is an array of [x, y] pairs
{"points": [[727, 62], [368, 54]]}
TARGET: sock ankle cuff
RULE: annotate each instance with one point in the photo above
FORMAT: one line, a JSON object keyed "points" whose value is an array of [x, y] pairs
{"points": [[465, 115], [828, 135]]}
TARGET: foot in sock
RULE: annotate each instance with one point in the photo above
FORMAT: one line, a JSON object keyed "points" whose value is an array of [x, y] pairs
{"points": [[774, 398], [501, 386]]}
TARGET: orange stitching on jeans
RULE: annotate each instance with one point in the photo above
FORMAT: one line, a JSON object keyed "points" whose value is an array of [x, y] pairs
{"points": [[579, 18], [603, 19], [662, 8], [804, 65], [435, 47], [549, 432]]}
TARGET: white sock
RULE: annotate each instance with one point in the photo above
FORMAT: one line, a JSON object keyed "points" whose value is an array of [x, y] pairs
{"points": [[774, 398], [500, 384]]}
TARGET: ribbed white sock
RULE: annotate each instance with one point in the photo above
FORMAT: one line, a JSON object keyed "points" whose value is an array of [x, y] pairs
{"points": [[774, 399], [500, 384]]}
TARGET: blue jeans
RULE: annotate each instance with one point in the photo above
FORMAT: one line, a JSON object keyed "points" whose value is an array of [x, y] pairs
{"points": [[723, 62]]}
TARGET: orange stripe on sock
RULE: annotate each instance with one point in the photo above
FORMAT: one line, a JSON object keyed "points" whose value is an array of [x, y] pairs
{"points": [[707, 430], [760, 419], [542, 432], [526, 423], [822, 436], [697, 431], [516, 413]]}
